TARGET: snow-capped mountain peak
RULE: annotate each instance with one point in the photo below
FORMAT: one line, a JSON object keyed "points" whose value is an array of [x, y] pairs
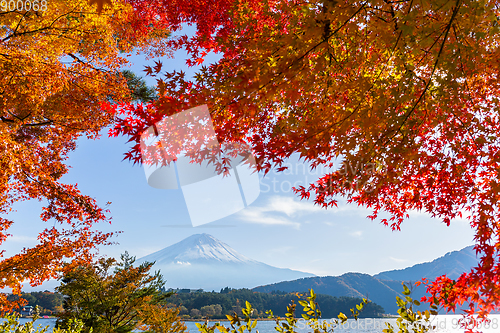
{"points": [[197, 248], [202, 261]]}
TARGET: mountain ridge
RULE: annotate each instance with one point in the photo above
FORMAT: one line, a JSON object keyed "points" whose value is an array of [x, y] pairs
{"points": [[382, 288], [452, 264], [202, 261], [348, 284]]}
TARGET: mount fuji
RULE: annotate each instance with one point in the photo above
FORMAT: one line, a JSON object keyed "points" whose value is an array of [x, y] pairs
{"points": [[203, 262]]}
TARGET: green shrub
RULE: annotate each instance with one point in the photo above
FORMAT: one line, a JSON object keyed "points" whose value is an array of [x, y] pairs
{"points": [[12, 325], [408, 320]]}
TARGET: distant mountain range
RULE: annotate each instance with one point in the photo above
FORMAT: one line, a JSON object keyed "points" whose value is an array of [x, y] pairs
{"points": [[453, 264], [202, 261], [349, 284], [383, 287]]}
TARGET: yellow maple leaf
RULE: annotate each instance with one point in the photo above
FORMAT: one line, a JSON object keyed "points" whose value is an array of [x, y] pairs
{"points": [[100, 4]]}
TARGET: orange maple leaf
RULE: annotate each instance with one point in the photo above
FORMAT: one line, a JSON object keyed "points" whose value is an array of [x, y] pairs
{"points": [[100, 4]]}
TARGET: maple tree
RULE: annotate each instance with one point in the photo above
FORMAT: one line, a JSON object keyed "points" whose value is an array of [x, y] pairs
{"points": [[404, 93], [58, 62]]}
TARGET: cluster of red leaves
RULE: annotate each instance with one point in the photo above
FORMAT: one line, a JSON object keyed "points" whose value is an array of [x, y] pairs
{"points": [[409, 89], [211, 19]]}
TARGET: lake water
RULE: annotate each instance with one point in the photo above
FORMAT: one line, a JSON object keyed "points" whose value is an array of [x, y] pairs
{"points": [[42, 322], [443, 323]]}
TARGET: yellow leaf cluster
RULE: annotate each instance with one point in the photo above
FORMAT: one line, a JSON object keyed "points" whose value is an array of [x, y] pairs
{"points": [[58, 64]]}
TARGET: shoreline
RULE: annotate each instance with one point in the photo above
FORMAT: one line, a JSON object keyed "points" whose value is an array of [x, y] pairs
{"points": [[271, 319]]}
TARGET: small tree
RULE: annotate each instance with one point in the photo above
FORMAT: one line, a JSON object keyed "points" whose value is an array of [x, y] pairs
{"points": [[183, 310], [110, 302], [217, 309], [159, 318], [207, 311], [195, 313]]}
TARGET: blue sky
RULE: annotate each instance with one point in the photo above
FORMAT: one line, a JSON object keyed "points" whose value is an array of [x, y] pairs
{"points": [[277, 228]]}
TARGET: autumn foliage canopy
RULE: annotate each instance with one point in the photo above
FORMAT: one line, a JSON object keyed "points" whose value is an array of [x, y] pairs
{"points": [[58, 62], [409, 86]]}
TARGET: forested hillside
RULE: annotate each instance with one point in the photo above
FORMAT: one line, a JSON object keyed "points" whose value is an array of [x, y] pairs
{"points": [[48, 302], [349, 284], [195, 305]]}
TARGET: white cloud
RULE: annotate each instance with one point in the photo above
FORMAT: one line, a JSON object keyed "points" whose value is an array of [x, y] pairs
{"points": [[21, 239], [277, 206], [261, 216], [184, 263], [290, 207], [357, 233], [398, 260]]}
